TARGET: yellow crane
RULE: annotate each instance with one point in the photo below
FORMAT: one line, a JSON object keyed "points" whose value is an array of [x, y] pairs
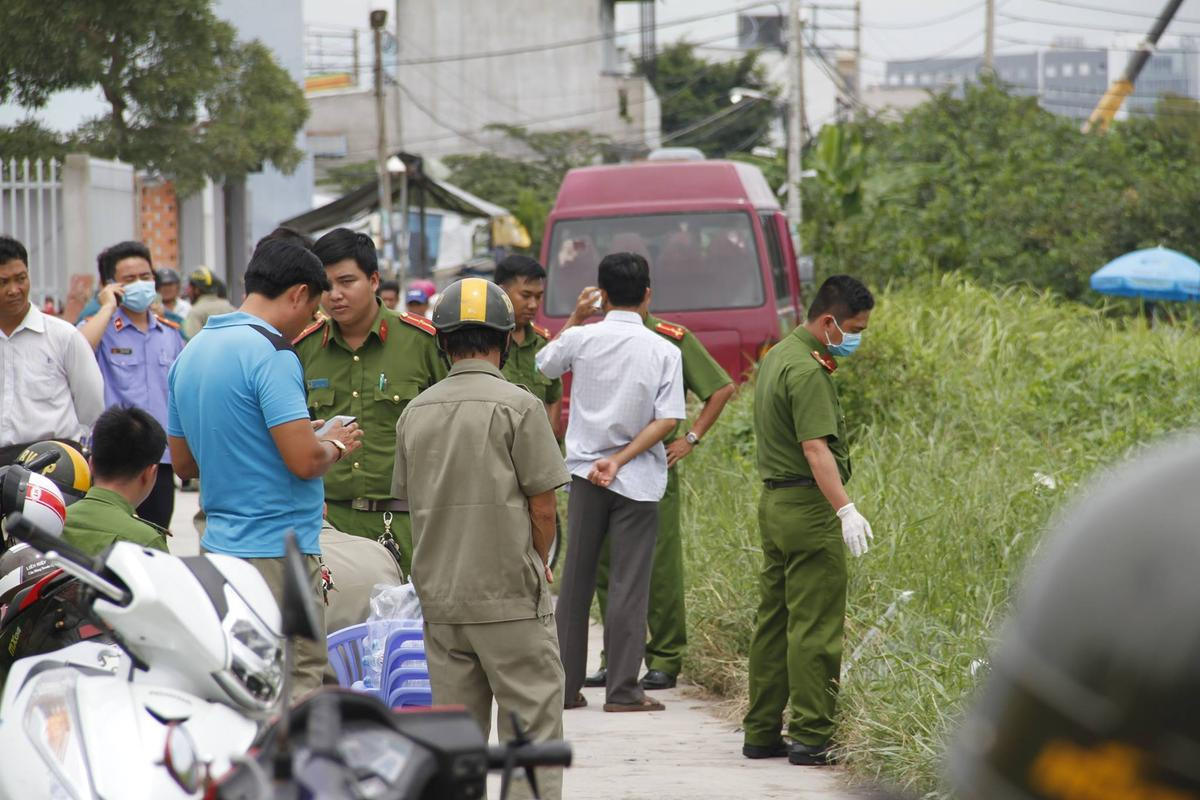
{"points": [[1122, 87]]}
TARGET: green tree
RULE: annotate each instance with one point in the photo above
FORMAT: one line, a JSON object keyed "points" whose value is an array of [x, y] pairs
{"points": [[30, 139], [696, 111], [527, 185], [184, 97]]}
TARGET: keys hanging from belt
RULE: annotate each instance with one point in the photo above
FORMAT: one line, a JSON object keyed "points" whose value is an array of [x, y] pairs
{"points": [[327, 584], [389, 541]]}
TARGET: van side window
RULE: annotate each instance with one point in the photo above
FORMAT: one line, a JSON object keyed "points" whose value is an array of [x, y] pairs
{"points": [[783, 292]]}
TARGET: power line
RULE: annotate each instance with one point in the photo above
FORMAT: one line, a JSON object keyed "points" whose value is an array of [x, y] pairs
{"points": [[1059, 24], [1090, 7], [512, 51], [903, 26], [1066, 46], [977, 36]]}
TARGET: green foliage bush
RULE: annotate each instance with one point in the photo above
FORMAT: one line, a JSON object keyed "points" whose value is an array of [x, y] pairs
{"points": [[960, 401], [990, 185]]}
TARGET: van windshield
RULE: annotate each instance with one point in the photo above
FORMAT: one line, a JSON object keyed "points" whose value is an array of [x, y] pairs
{"points": [[697, 261]]}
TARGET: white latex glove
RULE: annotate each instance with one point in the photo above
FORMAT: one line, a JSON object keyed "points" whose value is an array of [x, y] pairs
{"points": [[856, 531]]}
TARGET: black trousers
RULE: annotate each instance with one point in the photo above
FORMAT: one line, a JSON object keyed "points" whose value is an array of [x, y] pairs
{"points": [[160, 505], [630, 526]]}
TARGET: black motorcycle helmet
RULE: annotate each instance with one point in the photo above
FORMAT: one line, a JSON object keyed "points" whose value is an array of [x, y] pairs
{"points": [[1095, 685], [61, 463]]}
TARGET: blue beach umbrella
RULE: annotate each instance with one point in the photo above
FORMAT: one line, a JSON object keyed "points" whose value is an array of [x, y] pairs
{"points": [[1155, 273]]}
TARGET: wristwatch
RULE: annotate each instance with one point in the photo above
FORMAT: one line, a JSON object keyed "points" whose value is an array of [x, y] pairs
{"points": [[692, 439], [341, 448]]}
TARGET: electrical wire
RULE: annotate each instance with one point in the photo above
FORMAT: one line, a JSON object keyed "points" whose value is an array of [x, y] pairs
{"points": [[977, 36], [1056, 23], [512, 51], [1091, 7], [962, 12]]}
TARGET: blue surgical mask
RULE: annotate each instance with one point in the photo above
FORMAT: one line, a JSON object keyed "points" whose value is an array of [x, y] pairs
{"points": [[849, 343], [138, 296]]}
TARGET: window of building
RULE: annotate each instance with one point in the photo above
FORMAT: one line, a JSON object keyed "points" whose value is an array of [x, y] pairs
{"points": [[1085, 69], [910, 79], [1023, 74], [1051, 71], [926, 79], [893, 79], [1068, 70]]}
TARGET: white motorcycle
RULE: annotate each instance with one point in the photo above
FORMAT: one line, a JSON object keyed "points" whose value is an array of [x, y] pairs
{"points": [[190, 662]]}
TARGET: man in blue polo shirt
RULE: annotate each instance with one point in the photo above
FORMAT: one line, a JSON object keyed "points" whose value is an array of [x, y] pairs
{"points": [[237, 414]]}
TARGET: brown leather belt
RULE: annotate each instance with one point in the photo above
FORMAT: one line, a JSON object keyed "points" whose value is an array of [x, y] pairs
{"points": [[367, 504], [789, 483]]}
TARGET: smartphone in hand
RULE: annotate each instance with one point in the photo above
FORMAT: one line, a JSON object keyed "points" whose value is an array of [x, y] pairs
{"points": [[345, 419]]}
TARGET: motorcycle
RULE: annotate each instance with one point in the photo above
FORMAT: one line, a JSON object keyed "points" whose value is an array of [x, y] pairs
{"points": [[342, 745], [190, 652]]}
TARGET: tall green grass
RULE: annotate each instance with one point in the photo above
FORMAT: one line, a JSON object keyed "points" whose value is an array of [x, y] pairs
{"points": [[973, 414]]}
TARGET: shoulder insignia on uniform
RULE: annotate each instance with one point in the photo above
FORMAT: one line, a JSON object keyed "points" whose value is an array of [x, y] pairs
{"points": [[418, 321], [675, 332], [118, 323], [311, 329], [383, 331], [825, 361], [540, 331], [166, 321]]}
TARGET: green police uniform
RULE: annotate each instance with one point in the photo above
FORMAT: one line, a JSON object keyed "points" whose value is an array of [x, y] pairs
{"points": [[796, 650], [103, 517], [666, 616], [398, 360], [521, 369]]}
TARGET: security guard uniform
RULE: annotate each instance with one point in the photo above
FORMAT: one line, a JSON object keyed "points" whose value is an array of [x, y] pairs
{"points": [[521, 367], [666, 616], [398, 360], [489, 613], [103, 517], [796, 650]]}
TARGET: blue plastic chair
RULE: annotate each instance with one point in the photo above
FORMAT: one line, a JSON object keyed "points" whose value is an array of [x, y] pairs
{"points": [[346, 650], [408, 687], [402, 644]]}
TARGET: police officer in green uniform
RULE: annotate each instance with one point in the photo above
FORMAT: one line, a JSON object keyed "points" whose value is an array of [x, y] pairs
{"points": [[666, 616], [804, 463], [524, 280], [366, 362], [127, 444]]}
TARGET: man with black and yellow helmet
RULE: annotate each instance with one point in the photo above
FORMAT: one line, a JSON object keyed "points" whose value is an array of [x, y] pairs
{"points": [[478, 463], [205, 299], [61, 463]]}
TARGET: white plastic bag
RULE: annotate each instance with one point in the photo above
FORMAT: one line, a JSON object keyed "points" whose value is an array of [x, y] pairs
{"points": [[392, 606]]}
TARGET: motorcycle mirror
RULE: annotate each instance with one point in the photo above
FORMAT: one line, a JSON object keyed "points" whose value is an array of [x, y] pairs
{"points": [[299, 606], [180, 759]]}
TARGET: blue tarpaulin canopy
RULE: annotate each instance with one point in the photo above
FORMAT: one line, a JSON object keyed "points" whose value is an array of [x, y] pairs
{"points": [[1155, 273]]}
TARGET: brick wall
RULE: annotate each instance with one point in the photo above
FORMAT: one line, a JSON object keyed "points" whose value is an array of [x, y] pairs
{"points": [[160, 223]]}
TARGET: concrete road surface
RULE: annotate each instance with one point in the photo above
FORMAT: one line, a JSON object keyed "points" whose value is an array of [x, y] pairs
{"points": [[684, 753]]}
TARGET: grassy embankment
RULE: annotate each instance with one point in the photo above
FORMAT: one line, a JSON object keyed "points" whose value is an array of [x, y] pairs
{"points": [[960, 401]]}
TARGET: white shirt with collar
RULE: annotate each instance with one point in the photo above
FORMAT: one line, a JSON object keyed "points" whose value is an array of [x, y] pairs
{"points": [[50, 384], [624, 377]]}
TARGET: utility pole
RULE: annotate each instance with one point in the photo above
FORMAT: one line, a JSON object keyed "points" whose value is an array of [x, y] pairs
{"points": [[795, 129], [378, 20], [989, 39], [402, 236], [857, 49]]}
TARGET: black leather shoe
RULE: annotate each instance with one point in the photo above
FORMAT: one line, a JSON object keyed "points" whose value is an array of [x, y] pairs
{"points": [[597, 678], [777, 750], [657, 680], [809, 756]]}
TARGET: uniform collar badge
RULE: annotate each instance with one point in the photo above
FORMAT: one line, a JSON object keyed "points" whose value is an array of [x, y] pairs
{"points": [[383, 331], [825, 361], [118, 323]]}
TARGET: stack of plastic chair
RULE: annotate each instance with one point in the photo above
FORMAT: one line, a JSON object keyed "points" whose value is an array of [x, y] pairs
{"points": [[407, 671], [347, 649]]}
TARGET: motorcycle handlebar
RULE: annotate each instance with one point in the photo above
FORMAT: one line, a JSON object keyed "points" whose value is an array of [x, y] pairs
{"points": [[73, 560], [544, 754]]}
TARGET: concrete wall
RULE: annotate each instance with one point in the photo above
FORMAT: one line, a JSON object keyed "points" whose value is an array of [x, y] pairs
{"points": [[272, 196], [446, 105]]}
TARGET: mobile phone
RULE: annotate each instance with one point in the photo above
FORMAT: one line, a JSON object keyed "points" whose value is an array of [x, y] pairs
{"points": [[345, 419], [596, 302]]}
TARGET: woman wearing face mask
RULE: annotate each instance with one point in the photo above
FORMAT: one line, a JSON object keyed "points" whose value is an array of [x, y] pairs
{"points": [[135, 349]]}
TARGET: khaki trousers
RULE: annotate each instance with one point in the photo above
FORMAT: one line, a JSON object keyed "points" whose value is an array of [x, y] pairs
{"points": [[311, 657], [515, 662]]}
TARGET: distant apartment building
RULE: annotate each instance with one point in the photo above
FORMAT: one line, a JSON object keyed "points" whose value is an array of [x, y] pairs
{"points": [[458, 66], [1066, 81]]}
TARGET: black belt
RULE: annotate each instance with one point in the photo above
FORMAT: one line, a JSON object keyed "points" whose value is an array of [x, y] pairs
{"points": [[366, 504], [789, 483]]}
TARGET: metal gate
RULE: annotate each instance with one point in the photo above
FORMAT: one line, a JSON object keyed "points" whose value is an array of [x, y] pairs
{"points": [[31, 211]]}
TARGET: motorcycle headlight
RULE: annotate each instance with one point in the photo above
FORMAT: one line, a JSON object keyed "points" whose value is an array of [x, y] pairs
{"points": [[52, 725], [255, 670]]}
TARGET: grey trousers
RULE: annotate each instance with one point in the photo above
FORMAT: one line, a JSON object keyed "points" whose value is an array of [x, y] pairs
{"points": [[594, 513]]}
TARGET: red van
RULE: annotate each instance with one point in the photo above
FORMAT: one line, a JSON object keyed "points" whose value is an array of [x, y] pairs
{"points": [[721, 260]]}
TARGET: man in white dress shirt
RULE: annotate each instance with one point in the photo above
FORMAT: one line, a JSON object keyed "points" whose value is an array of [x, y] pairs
{"points": [[626, 396], [50, 384]]}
